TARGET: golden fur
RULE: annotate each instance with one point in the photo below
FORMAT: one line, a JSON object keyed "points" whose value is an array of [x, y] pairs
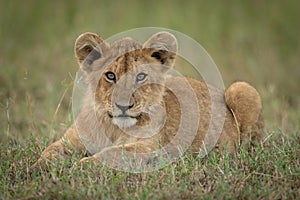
{"points": [[115, 82]]}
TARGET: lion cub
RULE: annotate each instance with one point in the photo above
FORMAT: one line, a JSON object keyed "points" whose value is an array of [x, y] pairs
{"points": [[134, 105]]}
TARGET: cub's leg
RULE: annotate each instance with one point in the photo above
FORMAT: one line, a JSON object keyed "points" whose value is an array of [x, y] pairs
{"points": [[62, 148], [115, 155], [245, 104]]}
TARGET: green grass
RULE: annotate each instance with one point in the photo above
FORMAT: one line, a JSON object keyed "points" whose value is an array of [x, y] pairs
{"points": [[249, 40], [269, 171]]}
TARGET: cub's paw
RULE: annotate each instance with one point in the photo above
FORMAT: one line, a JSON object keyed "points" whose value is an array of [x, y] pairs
{"points": [[41, 165], [88, 161]]}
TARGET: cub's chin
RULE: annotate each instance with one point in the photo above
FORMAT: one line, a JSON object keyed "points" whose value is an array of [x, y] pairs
{"points": [[124, 122]]}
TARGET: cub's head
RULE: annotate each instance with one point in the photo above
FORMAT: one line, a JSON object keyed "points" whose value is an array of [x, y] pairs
{"points": [[126, 78]]}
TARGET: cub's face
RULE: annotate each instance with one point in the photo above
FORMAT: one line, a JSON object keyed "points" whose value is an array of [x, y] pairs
{"points": [[130, 87], [127, 77]]}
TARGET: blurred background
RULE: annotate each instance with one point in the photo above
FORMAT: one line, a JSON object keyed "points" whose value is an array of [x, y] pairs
{"points": [[251, 40]]}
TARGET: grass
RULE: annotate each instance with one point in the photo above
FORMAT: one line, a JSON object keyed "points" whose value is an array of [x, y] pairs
{"points": [[269, 171], [249, 40]]}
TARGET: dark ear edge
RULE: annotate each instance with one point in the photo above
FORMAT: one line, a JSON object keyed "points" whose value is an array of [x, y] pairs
{"points": [[88, 48], [163, 56], [162, 41], [164, 48]]}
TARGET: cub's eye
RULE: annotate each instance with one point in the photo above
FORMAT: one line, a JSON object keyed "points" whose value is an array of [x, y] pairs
{"points": [[141, 77], [110, 76]]}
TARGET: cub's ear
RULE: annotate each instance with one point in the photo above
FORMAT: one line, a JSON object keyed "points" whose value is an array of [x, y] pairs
{"points": [[163, 47], [88, 48]]}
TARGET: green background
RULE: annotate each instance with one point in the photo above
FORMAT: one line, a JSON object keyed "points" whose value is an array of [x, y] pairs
{"points": [[255, 41]]}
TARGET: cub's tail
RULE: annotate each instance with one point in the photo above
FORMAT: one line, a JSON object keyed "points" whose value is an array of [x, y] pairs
{"points": [[245, 104]]}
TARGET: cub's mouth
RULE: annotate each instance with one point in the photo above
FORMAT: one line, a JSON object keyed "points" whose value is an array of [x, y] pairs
{"points": [[125, 116], [124, 120]]}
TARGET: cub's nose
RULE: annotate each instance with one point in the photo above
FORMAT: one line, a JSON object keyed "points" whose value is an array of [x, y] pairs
{"points": [[124, 108]]}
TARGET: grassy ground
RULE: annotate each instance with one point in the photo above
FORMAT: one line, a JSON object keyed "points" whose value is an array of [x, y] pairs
{"points": [[270, 171], [249, 40]]}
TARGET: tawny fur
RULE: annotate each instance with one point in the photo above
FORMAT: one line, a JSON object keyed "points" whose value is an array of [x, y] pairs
{"points": [[241, 103]]}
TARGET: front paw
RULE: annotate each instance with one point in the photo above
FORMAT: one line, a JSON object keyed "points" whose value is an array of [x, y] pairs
{"points": [[85, 160], [38, 165], [41, 165]]}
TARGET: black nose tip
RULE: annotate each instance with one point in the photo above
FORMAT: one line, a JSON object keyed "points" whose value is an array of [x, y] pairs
{"points": [[124, 108]]}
